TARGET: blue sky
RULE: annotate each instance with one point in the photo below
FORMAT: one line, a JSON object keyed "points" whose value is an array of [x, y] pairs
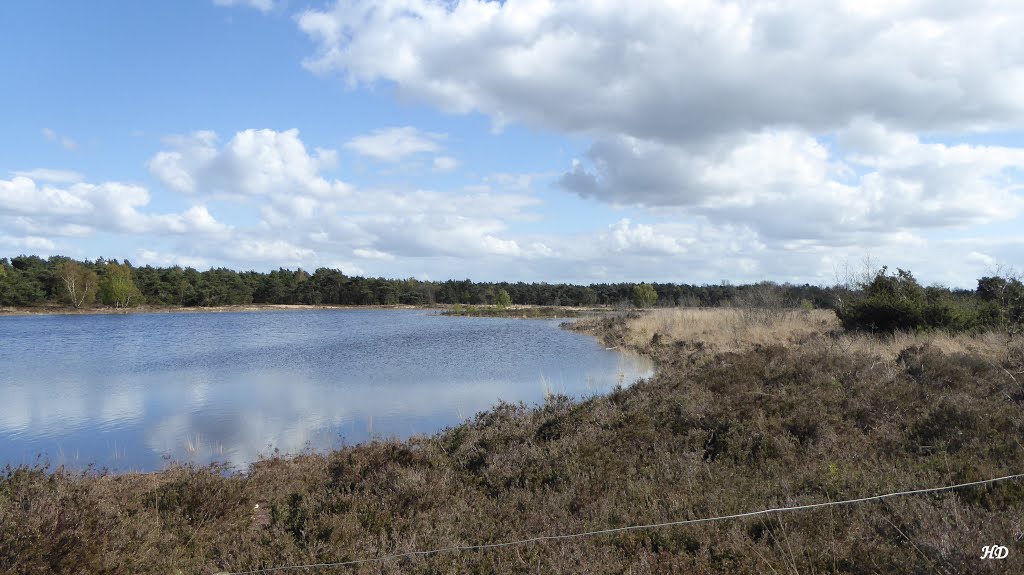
{"points": [[529, 140]]}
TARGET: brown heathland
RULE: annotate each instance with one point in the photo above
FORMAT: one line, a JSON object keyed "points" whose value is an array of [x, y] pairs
{"points": [[744, 413]]}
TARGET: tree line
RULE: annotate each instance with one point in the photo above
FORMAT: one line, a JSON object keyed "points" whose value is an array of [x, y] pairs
{"points": [[31, 281], [876, 301]]}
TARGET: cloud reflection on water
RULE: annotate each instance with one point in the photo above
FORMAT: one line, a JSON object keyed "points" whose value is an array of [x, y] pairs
{"points": [[231, 404]]}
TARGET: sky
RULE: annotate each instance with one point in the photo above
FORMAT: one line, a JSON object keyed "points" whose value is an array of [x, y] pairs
{"points": [[690, 141]]}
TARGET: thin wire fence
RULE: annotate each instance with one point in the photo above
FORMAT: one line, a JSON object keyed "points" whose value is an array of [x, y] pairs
{"points": [[486, 546]]}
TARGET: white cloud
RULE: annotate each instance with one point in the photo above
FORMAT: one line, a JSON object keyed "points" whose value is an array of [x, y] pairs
{"points": [[196, 219], [21, 196], [261, 5], [161, 259], [35, 244], [51, 176], [642, 239], [431, 234], [982, 259], [808, 125], [82, 208], [66, 142], [777, 203], [345, 266], [252, 163], [372, 254], [445, 164], [274, 252], [684, 71], [174, 168], [305, 217], [699, 251], [395, 144], [786, 184]]}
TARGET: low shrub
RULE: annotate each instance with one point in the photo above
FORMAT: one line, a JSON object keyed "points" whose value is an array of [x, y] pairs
{"points": [[892, 303]]}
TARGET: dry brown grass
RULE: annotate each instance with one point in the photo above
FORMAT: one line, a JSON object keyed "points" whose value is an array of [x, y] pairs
{"points": [[726, 329], [731, 329]]}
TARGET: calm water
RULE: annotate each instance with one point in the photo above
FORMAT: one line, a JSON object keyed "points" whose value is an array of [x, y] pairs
{"points": [[131, 391]]}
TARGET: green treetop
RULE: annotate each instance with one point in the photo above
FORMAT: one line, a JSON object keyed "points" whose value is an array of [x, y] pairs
{"points": [[644, 296]]}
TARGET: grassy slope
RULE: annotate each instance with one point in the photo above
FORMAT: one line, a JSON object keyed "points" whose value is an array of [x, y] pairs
{"points": [[739, 417]]}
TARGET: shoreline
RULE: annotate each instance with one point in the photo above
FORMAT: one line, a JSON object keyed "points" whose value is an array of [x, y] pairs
{"points": [[144, 309], [147, 309]]}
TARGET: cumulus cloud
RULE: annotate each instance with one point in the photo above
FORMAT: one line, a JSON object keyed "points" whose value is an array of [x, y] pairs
{"points": [[683, 71], [394, 144], [308, 219], [196, 219], [787, 183], [642, 239], [252, 163], [81, 208], [704, 252], [815, 128]]}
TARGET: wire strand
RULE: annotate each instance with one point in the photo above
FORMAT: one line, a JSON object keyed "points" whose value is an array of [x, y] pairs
{"points": [[540, 538]]}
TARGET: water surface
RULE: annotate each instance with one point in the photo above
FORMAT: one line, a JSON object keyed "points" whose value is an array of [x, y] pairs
{"points": [[131, 392]]}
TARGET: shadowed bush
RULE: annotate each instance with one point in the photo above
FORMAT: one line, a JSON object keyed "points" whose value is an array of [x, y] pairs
{"points": [[892, 303]]}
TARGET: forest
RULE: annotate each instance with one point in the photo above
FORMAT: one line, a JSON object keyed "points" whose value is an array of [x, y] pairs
{"points": [[29, 281]]}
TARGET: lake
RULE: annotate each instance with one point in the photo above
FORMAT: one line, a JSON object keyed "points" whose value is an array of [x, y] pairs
{"points": [[135, 391]]}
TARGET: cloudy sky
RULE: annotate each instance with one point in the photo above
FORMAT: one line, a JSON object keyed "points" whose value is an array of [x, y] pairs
{"points": [[689, 141]]}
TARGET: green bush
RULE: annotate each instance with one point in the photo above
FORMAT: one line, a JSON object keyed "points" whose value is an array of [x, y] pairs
{"points": [[117, 286], [1002, 302], [644, 296], [891, 303], [504, 300]]}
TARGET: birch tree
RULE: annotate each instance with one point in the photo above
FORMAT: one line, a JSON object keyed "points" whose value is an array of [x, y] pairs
{"points": [[117, 288], [80, 283], [644, 296]]}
